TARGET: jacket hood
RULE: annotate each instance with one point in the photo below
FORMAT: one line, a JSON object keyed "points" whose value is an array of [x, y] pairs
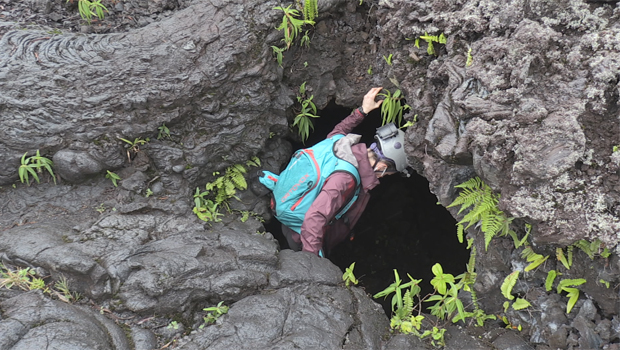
{"points": [[367, 173]]}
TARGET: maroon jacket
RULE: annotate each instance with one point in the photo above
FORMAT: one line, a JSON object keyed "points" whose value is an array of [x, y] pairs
{"points": [[337, 190]]}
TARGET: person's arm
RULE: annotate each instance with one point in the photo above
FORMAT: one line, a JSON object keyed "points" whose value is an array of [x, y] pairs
{"points": [[353, 120], [338, 189]]}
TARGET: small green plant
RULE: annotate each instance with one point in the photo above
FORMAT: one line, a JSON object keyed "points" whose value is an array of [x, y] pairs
{"points": [[26, 279], [605, 283], [437, 335], [164, 132], [32, 165], [214, 313], [369, 71], [533, 258], [566, 261], [173, 325], [305, 41], [279, 54], [430, 39], [223, 188], [63, 292], [206, 209], [506, 288], [245, 215], [403, 319], [551, 275], [509, 325], [616, 148], [290, 25], [148, 193], [101, 208], [410, 122], [568, 286], [388, 59], [134, 146], [478, 195], [113, 177], [348, 277], [447, 304], [20, 278], [38, 284], [392, 108], [468, 278], [470, 58], [88, 9], [592, 248], [447, 301], [308, 110]]}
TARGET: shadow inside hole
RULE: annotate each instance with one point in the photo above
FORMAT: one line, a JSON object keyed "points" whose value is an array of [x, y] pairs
{"points": [[402, 227]]}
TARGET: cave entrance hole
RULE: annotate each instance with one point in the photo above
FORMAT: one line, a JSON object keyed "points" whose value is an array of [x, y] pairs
{"points": [[402, 228]]}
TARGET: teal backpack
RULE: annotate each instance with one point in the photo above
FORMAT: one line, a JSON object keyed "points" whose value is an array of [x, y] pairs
{"points": [[299, 184]]}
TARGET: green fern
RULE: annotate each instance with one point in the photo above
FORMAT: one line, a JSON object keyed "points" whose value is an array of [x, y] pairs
{"points": [[593, 248], [407, 309], [478, 196], [311, 10], [533, 258], [254, 161], [221, 190]]}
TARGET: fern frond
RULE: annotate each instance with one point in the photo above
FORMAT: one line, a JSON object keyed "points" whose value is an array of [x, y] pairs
{"points": [[484, 210], [408, 304], [586, 247], [459, 232], [229, 188], [238, 168], [492, 223], [488, 236], [474, 182], [253, 162], [310, 10]]}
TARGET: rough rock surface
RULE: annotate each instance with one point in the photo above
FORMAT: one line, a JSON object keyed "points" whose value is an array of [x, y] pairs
{"points": [[524, 95]]}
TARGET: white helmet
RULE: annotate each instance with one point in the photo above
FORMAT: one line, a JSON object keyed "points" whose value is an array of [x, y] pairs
{"points": [[391, 146]]}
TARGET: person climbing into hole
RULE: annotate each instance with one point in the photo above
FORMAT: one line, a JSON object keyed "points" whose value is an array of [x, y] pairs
{"points": [[323, 191]]}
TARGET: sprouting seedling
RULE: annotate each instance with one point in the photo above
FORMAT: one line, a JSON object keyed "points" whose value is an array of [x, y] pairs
{"points": [[305, 40], [134, 146], [113, 177], [369, 71], [32, 165], [348, 277], [278, 52], [388, 59], [410, 122], [470, 58], [163, 132], [430, 39], [214, 313]]}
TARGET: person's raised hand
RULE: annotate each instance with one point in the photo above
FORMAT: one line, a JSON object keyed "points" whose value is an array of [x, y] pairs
{"points": [[369, 104]]}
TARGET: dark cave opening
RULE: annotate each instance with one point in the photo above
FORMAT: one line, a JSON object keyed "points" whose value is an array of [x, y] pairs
{"points": [[402, 228]]}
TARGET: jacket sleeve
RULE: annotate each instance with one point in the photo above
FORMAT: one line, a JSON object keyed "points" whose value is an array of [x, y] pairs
{"points": [[347, 124], [338, 188]]}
